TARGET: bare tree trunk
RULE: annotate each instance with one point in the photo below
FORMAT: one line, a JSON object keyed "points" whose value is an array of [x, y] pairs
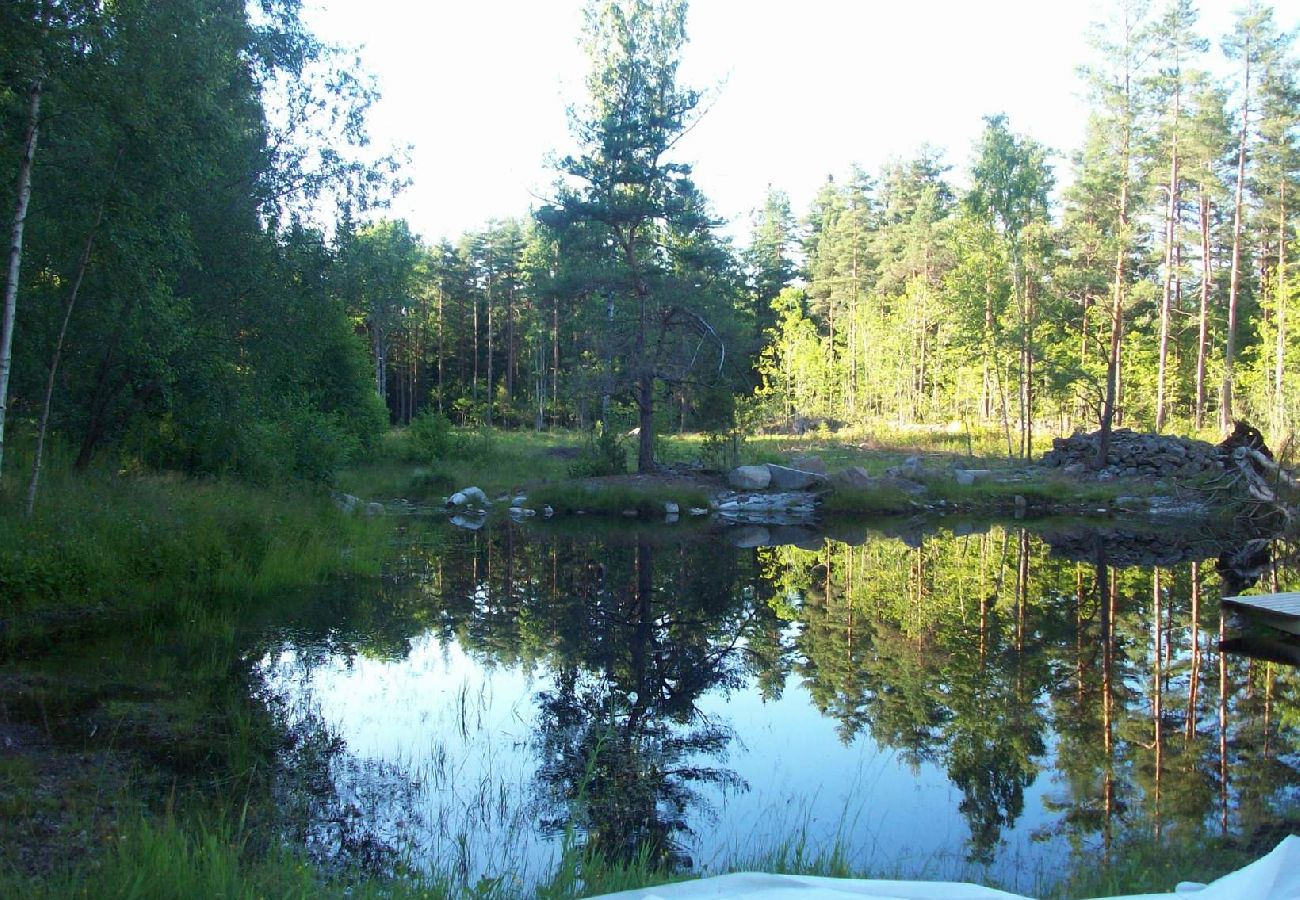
{"points": [[1203, 343], [1234, 287], [491, 383], [1117, 298], [23, 195], [1279, 351], [82, 264], [1171, 235]]}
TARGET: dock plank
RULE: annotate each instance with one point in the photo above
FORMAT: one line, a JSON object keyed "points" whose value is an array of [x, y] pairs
{"points": [[1285, 604]]}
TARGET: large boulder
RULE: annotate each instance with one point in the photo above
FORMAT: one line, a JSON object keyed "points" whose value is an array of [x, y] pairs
{"points": [[749, 478], [470, 496], [784, 478], [809, 463], [854, 478]]}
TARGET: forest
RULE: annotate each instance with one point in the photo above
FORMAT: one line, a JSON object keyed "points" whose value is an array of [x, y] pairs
{"points": [[201, 276]]}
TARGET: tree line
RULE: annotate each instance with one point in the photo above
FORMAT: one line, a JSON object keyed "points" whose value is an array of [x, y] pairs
{"points": [[176, 309], [1153, 290]]}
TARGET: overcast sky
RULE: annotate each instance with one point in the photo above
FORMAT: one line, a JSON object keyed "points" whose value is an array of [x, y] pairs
{"points": [[799, 89]]}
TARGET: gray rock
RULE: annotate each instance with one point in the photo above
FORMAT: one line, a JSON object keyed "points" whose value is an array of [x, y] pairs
{"points": [[671, 508], [967, 477], [783, 478], [374, 509], [908, 468], [347, 503], [699, 511], [519, 500], [853, 477], [749, 478], [457, 499], [671, 518], [476, 497], [906, 485], [809, 463], [547, 511]]}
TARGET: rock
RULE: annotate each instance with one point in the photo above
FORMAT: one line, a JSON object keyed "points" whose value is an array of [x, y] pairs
{"points": [[809, 463], [1020, 501], [347, 503], [671, 518], [547, 512], [908, 468], [907, 486], [783, 478], [699, 511], [1075, 468], [1130, 502], [519, 501], [374, 509], [468, 521], [749, 478], [967, 477], [671, 508], [470, 496], [854, 477]]}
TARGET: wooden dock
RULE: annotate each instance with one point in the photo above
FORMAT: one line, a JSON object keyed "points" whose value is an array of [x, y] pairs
{"points": [[1281, 611]]}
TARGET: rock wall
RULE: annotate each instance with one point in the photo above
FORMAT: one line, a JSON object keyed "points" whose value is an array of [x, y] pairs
{"points": [[1135, 455]]}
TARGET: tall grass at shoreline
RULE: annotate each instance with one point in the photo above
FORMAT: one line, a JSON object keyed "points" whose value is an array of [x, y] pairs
{"points": [[101, 548]]}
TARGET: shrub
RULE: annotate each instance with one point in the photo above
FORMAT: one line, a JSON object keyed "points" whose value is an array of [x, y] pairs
{"points": [[429, 437], [604, 454]]}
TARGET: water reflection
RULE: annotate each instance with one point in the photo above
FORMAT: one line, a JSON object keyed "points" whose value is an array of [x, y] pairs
{"points": [[1015, 695]]}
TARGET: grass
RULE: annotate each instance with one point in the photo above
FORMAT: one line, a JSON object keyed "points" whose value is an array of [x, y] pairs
{"points": [[616, 498], [102, 548]]}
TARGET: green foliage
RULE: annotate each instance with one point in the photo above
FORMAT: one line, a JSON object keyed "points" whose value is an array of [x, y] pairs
{"points": [[603, 454], [104, 548], [429, 437]]}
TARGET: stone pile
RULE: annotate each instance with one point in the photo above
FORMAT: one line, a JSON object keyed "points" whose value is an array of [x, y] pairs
{"points": [[1135, 455]]}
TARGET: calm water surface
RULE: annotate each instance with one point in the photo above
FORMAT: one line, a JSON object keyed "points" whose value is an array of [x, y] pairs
{"points": [[987, 702]]}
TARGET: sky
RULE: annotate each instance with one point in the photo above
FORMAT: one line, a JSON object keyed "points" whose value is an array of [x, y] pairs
{"points": [[796, 90]]}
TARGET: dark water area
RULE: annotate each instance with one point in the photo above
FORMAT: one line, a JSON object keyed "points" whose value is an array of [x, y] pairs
{"points": [[994, 702]]}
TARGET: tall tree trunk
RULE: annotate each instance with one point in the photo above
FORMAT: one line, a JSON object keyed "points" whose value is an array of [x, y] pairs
{"points": [[491, 382], [441, 355], [1203, 342], [1279, 350], [82, 264], [1234, 284], [1117, 298], [22, 196], [1171, 236]]}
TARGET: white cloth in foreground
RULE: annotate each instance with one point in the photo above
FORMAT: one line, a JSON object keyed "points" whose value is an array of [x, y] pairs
{"points": [[1274, 877]]}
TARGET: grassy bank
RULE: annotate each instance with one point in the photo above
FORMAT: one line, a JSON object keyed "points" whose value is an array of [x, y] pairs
{"points": [[104, 549], [124, 686]]}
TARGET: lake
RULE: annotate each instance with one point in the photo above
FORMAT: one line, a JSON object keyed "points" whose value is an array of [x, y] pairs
{"points": [[926, 699]]}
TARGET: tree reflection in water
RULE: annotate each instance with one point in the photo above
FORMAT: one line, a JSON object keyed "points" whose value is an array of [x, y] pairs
{"points": [[1080, 667]]}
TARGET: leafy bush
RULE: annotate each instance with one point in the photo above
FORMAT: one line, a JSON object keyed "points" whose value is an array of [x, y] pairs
{"points": [[604, 454], [319, 444], [429, 437]]}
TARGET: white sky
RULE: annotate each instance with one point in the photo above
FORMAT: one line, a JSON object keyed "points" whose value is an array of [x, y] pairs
{"points": [[802, 89]]}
